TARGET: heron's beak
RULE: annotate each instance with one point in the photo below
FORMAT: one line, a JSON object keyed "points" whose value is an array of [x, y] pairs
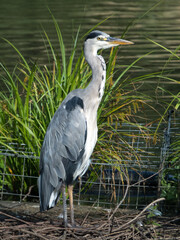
{"points": [[118, 41]]}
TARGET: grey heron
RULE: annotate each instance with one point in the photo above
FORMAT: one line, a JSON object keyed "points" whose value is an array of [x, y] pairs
{"points": [[72, 133]]}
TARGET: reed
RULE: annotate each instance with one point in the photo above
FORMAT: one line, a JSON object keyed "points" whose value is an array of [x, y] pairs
{"points": [[34, 93], [170, 187]]}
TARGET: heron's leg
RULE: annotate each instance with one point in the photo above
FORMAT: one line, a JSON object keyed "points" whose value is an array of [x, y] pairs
{"points": [[64, 205], [70, 192]]}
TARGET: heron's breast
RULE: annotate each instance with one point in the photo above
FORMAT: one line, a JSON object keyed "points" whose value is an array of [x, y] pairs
{"points": [[89, 147], [91, 138]]}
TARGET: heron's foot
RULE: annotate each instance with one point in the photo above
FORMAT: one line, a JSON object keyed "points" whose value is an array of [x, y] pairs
{"points": [[65, 223], [68, 225], [73, 225]]}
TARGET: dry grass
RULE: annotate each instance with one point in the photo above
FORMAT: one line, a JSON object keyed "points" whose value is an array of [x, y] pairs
{"points": [[24, 221]]}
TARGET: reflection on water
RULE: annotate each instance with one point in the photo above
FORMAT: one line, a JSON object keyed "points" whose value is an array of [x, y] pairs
{"points": [[21, 22]]}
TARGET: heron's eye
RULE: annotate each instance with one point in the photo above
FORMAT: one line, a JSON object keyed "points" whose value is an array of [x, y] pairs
{"points": [[101, 38]]}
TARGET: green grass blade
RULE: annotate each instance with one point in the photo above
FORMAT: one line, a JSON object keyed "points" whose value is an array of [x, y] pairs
{"points": [[28, 93], [115, 84], [168, 50], [18, 52], [15, 90]]}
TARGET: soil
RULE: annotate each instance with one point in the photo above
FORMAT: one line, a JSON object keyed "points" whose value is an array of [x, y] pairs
{"points": [[24, 221]]}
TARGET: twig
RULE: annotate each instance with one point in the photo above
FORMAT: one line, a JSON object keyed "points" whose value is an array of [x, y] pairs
{"points": [[34, 234], [16, 228], [9, 227], [88, 214], [30, 188], [173, 220], [119, 204], [17, 219], [132, 220], [71, 232], [145, 179], [127, 188], [15, 237]]}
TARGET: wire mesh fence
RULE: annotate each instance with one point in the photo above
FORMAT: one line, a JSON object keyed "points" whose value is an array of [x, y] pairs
{"points": [[105, 183]]}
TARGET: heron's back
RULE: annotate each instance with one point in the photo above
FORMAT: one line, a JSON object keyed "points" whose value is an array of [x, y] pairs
{"points": [[64, 153]]}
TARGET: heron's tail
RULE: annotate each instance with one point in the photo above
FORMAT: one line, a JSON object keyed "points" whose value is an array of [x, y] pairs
{"points": [[48, 194]]}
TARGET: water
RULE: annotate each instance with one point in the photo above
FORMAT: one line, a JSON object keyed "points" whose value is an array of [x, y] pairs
{"points": [[22, 23]]}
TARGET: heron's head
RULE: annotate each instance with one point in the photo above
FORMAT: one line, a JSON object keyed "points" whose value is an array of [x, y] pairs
{"points": [[99, 40]]}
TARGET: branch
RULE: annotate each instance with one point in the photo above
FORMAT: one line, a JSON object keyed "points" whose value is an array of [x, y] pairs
{"points": [[119, 204], [30, 188], [127, 188], [17, 219], [148, 206]]}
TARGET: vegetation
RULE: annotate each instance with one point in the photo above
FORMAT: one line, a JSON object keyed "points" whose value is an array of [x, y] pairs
{"points": [[35, 92], [171, 184], [171, 187]]}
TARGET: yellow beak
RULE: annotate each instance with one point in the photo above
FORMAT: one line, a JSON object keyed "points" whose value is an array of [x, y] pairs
{"points": [[118, 41]]}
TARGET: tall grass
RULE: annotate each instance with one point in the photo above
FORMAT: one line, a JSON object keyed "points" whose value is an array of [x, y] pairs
{"points": [[170, 189], [34, 93]]}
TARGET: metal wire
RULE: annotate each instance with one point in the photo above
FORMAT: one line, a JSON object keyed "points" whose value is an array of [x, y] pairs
{"points": [[104, 185]]}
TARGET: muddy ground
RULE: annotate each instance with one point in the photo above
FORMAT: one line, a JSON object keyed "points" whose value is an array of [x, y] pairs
{"points": [[24, 221]]}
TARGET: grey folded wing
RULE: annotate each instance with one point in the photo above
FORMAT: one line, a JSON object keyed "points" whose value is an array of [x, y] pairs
{"points": [[63, 147]]}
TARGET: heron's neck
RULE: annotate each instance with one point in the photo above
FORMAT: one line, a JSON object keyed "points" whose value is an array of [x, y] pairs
{"points": [[98, 66]]}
